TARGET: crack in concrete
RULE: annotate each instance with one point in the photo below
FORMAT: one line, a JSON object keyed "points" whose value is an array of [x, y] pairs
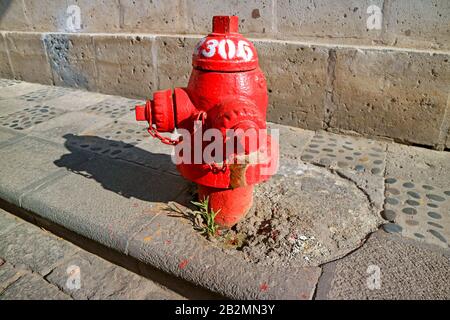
{"points": [[371, 205], [316, 286], [369, 198], [344, 176]]}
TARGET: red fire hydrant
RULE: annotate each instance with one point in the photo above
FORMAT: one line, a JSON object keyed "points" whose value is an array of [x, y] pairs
{"points": [[227, 91]]}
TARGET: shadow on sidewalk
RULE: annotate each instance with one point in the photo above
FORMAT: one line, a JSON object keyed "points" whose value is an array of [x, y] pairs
{"points": [[161, 184]]}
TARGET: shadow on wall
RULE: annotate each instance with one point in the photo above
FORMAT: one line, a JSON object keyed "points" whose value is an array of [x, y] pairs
{"points": [[4, 5], [125, 178]]}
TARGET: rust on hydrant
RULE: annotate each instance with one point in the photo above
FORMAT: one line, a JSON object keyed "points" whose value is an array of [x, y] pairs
{"points": [[227, 92]]}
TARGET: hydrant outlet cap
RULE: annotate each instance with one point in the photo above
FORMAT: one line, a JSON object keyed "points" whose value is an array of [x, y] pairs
{"points": [[225, 49]]}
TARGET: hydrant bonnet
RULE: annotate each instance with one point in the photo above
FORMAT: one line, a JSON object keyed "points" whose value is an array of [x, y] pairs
{"points": [[225, 50]]}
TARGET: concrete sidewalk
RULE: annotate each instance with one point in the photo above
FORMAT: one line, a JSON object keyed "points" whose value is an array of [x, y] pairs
{"points": [[341, 209]]}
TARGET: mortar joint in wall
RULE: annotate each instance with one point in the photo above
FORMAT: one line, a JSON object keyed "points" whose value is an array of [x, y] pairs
{"points": [[155, 62], [444, 130], [3, 35], [274, 17], [330, 103]]}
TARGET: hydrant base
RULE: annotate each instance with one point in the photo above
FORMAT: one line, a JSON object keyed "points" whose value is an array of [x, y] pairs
{"points": [[232, 203]]}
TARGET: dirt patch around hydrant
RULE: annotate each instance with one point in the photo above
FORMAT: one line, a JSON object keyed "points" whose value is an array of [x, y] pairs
{"points": [[304, 215]]}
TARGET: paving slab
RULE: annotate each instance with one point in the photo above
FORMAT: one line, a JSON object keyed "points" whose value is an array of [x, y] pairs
{"points": [[388, 267], [131, 116], [100, 279], [8, 222], [29, 161], [27, 251], [130, 142], [25, 118], [125, 285], [92, 271], [346, 152], [76, 101], [45, 93], [11, 105], [7, 135], [419, 211], [114, 107], [418, 165], [8, 275], [104, 200], [171, 244], [292, 140], [32, 287], [27, 247], [20, 89], [8, 82], [73, 123]]}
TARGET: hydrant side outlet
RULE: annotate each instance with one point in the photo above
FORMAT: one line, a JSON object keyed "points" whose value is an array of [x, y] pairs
{"points": [[227, 92]]}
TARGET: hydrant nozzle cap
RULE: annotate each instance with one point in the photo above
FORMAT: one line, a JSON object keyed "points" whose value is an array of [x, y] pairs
{"points": [[225, 24], [143, 112]]}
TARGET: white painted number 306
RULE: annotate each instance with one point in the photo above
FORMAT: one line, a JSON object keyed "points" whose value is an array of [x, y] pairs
{"points": [[227, 49]]}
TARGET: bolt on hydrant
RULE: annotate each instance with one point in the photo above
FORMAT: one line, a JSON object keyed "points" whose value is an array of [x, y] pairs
{"points": [[224, 148]]}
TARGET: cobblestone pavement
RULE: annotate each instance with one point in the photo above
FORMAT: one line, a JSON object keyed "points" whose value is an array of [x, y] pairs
{"points": [[79, 160], [35, 264]]}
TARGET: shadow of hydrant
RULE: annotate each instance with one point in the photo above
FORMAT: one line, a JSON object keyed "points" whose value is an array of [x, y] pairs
{"points": [[125, 169]]}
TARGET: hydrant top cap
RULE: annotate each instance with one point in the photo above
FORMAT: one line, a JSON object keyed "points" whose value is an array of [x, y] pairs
{"points": [[224, 49], [225, 24]]}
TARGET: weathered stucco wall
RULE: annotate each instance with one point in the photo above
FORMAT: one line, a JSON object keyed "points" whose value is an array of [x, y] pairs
{"points": [[325, 68]]}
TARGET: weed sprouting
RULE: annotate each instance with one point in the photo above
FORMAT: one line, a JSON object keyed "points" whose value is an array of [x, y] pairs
{"points": [[209, 226]]}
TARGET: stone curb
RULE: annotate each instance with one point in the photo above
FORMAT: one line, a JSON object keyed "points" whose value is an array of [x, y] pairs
{"points": [[189, 256]]}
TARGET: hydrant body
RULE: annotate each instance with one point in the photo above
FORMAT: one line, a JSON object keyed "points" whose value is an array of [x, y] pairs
{"points": [[226, 91]]}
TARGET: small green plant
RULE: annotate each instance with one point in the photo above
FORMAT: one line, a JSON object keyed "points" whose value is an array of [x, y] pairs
{"points": [[209, 226]]}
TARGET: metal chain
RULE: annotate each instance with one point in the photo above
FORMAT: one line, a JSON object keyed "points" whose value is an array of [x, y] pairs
{"points": [[213, 166], [216, 169], [203, 115], [172, 142], [155, 134]]}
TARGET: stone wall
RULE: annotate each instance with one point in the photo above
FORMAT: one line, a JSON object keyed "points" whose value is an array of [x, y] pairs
{"points": [[326, 69]]}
